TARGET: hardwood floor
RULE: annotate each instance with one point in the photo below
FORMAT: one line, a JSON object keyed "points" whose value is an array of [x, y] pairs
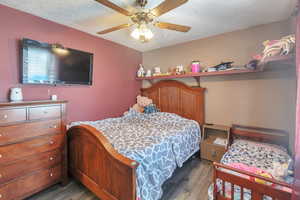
{"points": [[187, 183]]}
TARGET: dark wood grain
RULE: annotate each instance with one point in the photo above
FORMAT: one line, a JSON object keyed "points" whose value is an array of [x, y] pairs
{"points": [[176, 97], [257, 189], [10, 153], [21, 132], [25, 186], [12, 115], [274, 136], [32, 147], [190, 182], [31, 103], [94, 162], [44, 112], [28, 165]]}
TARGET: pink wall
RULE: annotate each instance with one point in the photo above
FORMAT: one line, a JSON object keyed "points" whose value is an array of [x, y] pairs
{"points": [[114, 87]]}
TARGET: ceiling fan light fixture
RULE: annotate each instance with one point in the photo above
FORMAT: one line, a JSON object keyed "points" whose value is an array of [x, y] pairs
{"points": [[142, 33], [144, 17]]}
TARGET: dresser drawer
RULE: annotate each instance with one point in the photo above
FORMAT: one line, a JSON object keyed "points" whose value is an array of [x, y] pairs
{"points": [[45, 112], [12, 115], [13, 152], [25, 186], [28, 165], [20, 132]]}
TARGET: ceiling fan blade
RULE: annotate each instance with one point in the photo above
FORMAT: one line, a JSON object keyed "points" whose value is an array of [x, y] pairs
{"points": [[115, 28], [173, 27], [166, 6], [114, 7]]}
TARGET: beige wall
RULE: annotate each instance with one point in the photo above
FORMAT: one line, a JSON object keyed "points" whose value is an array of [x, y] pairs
{"points": [[264, 99]]}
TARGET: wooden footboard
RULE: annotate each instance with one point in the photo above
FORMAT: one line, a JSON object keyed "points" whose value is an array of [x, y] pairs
{"points": [[97, 165], [258, 190]]}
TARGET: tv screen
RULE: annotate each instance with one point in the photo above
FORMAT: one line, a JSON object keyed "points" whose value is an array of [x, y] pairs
{"points": [[44, 63]]}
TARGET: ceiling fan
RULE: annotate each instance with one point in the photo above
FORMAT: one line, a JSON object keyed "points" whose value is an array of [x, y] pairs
{"points": [[145, 17]]}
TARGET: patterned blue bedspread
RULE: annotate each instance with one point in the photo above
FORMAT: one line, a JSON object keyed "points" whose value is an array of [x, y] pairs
{"points": [[160, 142]]}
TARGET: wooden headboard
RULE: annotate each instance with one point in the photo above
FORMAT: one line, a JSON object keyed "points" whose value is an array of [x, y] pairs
{"points": [[176, 97]]}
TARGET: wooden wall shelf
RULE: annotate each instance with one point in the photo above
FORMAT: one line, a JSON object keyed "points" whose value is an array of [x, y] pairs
{"points": [[283, 60], [200, 74]]}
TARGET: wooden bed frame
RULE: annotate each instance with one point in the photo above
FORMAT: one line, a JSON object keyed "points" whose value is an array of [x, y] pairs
{"points": [[257, 190], [111, 176]]}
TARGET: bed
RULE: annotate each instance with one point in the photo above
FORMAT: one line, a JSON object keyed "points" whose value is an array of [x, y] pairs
{"points": [[250, 168], [129, 157]]}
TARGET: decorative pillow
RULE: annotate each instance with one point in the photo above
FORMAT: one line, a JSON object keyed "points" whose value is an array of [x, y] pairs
{"points": [[151, 109]]}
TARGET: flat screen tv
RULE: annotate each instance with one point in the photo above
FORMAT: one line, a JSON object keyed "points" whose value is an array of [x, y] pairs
{"points": [[49, 64]]}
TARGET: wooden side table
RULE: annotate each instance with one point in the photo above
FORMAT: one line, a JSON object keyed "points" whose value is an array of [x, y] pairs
{"points": [[208, 148]]}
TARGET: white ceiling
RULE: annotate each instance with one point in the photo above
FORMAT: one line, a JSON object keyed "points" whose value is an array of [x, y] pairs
{"points": [[206, 17]]}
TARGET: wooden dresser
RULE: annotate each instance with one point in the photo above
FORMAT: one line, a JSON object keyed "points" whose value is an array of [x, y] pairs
{"points": [[32, 147]]}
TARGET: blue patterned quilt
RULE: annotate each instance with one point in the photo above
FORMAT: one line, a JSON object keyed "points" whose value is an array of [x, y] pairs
{"points": [[160, 142]]}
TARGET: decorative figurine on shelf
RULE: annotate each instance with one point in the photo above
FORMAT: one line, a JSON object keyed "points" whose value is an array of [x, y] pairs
{"points": [[141, 71], [157, 71], [282, 47], [179, 70], [149, 73], [195, 66], [252, 65]]}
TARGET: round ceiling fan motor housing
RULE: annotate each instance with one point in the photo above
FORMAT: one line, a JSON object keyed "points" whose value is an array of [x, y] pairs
{"points": [[142, 17]]}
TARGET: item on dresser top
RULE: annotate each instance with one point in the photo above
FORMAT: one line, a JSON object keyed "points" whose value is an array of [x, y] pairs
{"points": [[54, 97], [195, 67], [141, 71], [16, 94]]}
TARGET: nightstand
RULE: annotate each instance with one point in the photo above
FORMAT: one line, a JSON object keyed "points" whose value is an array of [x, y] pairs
{"points": [[214, 141]]}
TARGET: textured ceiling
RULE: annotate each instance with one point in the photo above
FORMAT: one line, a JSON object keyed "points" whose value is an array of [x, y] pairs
{"points": [[206, 17]]}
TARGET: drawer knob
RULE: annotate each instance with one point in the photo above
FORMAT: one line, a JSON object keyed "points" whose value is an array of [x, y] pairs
{"points": [[5, 116], [51, 174], [0, 196], [51, 158], [0, 155], [51, 142], [1, 134]]}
